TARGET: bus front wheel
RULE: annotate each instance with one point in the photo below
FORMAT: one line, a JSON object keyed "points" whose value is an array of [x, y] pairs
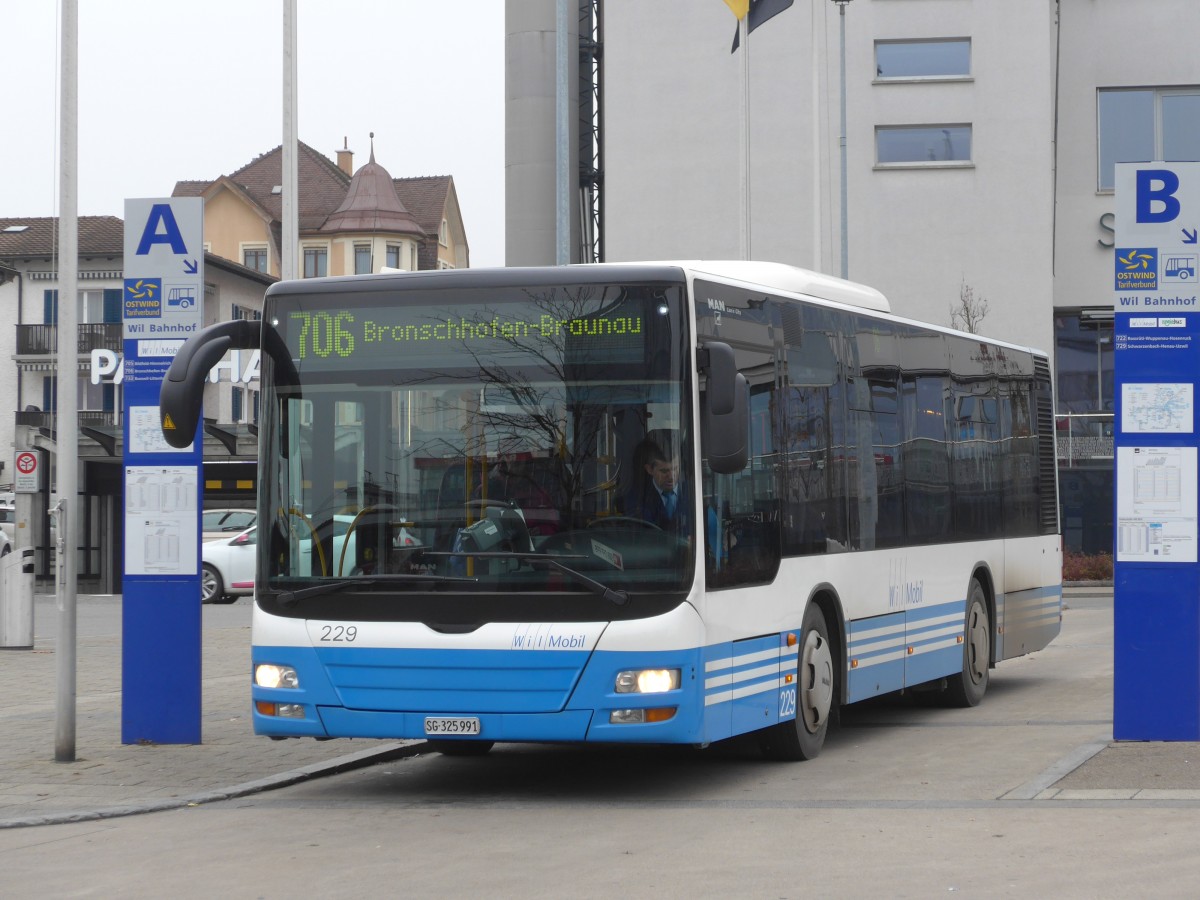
{"points": [[967, 688], [816, 695]]}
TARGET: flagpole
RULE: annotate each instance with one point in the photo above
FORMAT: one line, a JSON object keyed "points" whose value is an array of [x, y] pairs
{"points": [[290, 251], [841, 4], [818, 184], [744, 35]]}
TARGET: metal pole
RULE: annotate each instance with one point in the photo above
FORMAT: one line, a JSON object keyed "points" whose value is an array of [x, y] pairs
{"points": [[817, 129], [744, 41], [291, 180], [67, 418], [562, 195], [845, 204]]}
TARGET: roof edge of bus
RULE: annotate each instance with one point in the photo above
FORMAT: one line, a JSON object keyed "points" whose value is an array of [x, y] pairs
{"points": [[785, 277]]}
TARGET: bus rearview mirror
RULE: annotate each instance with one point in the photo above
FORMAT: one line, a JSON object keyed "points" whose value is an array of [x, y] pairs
{"points": [[725, 423]]}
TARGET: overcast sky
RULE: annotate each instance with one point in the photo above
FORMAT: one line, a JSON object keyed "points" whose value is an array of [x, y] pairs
{"points": [[172, 91]]}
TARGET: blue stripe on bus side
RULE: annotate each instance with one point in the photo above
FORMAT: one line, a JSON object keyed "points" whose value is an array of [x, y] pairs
{"points": [[876, 656], [745, 682], [902, 649], [935, 649]]}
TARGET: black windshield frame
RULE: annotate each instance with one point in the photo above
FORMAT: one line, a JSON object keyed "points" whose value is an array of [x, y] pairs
{"points": [[607, 367]]}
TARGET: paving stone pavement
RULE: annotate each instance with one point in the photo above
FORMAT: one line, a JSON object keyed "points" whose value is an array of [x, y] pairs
{"points": [[110, 778]]}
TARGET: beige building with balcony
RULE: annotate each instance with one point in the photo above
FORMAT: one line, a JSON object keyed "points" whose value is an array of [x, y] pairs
{"points": [[29, 341], [351, 222]]}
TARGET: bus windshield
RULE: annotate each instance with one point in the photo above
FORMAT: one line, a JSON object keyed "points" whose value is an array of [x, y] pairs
{"points": [[427, 443]]}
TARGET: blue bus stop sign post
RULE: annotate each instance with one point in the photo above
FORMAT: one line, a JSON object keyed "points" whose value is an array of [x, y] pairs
{"points": [[1156, 331], [161, 623]]}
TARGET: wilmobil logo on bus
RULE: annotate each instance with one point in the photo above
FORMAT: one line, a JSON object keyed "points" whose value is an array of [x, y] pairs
{"points": [[543, 637]]}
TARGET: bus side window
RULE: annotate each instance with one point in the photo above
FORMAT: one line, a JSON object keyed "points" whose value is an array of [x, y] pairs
{"points": [[741, 511]]}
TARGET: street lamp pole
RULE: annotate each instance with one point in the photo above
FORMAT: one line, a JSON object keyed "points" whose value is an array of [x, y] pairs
{"points": [[842, 140]]}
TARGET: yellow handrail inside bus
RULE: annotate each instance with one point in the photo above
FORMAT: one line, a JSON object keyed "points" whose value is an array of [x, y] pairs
{"points": [[313, 536]]}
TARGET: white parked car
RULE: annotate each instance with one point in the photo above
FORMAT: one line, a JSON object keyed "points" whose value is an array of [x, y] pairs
{"points": [[228, 563], [223, 523], [8, 518], [227, 570]]}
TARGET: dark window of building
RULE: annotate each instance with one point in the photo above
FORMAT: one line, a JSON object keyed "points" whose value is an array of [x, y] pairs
{"points": [[316, 262], [255, 258], [1084, 360], [362, 259]]}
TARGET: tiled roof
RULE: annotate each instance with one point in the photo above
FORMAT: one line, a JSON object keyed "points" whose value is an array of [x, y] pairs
{"points": [[322, 185], [98, 236], [324, 188], [426, 198]]}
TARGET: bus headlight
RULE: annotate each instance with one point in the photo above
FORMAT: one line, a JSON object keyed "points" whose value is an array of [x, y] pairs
{"points": [[270, 676], [647, 681], [641, 716]]}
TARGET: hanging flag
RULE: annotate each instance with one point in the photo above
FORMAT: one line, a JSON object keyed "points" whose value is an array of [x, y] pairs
{"points": [[759, 11], [738, 7]]}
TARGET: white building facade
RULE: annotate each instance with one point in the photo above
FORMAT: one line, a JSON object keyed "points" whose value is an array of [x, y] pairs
{"points": [[980, 139]]}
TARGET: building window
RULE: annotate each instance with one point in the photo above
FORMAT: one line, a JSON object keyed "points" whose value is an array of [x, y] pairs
{"points": [[444, 234], [1144, 125], [255, 258], [908, 145], [1084, 360], [903, 60], [235, 413], [412, 257], [316, 262], [93, 307], [393, 256], [362, 259]]}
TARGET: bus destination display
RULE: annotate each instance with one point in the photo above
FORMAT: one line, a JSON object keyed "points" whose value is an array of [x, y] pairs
{"points": [[428, 336]]}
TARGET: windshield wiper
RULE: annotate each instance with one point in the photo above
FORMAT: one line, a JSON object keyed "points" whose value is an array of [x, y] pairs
{"points": [[613, 595], [291, 598]]}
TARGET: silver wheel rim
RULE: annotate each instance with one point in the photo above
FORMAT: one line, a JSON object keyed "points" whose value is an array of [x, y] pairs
{"points": [[977, 644], [816, 673], [208, 585]]}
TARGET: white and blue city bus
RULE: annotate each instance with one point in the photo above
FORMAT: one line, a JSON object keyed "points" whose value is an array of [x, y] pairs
{"points": [[453, 476]]}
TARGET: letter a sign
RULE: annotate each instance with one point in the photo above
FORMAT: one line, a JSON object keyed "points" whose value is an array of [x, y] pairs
{"points": [[161, 228], [164, 268]]}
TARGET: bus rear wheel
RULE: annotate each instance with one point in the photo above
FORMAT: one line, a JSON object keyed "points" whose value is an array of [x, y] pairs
{"points": [[968, 687], [816, 695], [460, 748]]}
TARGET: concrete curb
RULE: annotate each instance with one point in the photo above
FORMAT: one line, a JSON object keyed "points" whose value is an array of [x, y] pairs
{"points": [[351, 761]]}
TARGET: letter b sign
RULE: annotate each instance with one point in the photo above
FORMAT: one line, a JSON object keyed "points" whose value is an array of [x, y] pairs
{"points": [[1156, 200]]}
